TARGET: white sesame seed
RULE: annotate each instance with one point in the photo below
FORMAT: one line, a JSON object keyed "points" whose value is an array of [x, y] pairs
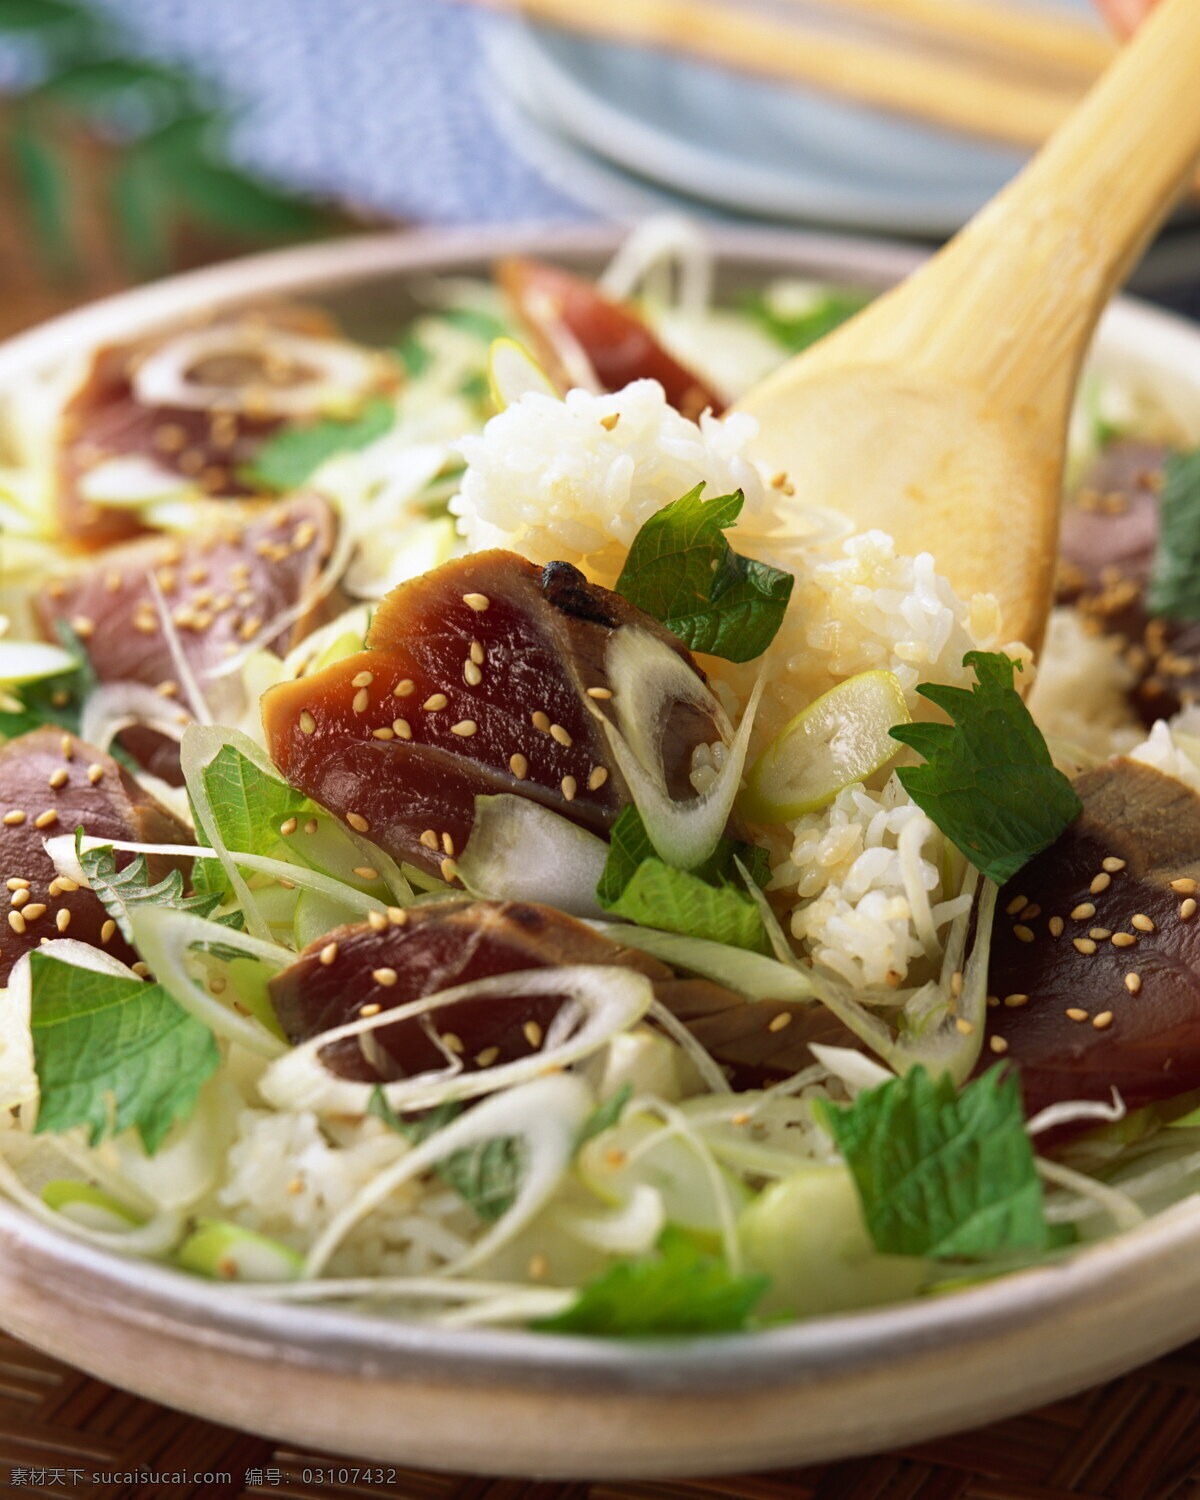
{"points": [[557, 732], [383, 734], [33, 911], [1133, 983], [519, 766], [18, 898], [1017, 904], [452, 1041], [597, 778], [487, 1057], [1100, 883], [66, 747], [1055, 925], [402, 729], [58, 779], [108, 931], [1083, 911], [434, 702], [1112, 864], [447, 844], [376, 921], [1074, 1013], [311, 826], [358, 822], [385, 977], [1014, 1002], [430, 839], [1084, 945], [288, 827], [62, 919], [362, 679], [328, 953], [1123, 939], [367, 872], [397, 916], [464, 727], [477, 653], [141, 970], [1100, 933], [1184, 885], [568, 788], [599, 692], [610, 421], [17, 883], [1103, 1021], [777, 1023], [533, 1034], [14, 818], [95, 773], [17, 922], [472, 676], [998, 1044], [956, 983], [307, 722], [478, 602], [373, 1009], [1022, 933], [1142, 922], [360, 701], [1187, 909], [449, 870], [963, 1026], [83, 627], [46, 819], [540, 721], [404, 688]]}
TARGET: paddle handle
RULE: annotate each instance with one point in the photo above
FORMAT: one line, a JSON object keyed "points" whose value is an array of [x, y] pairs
{"points": [[1009, 305]]}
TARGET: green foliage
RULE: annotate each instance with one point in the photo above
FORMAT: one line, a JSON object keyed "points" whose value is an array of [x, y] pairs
{"points": [[679, 1289], [118, 890], [710, 901], [989, 783], [113, 1053], [943, 1172], [287, 460], [1174, 589], [799, 330], [605, 1115], [682, 571]]}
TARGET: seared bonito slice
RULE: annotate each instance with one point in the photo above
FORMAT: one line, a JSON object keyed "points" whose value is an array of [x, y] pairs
{"points": [[52, 783], [484, 676], [361, 969], [221, 587], [1094, 981]]}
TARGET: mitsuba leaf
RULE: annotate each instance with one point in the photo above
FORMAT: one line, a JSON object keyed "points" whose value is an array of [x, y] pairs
{"points": [[1174, 588], [487, 1175], [990, 784], [118, 890], [113, 1053], [291, 457], [710, 901], [678, 1289], [943, 1172], [682, 571]]}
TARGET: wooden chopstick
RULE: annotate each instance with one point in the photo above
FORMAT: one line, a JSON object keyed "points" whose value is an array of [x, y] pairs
{"points": [[919, 85], [1018, 32]]}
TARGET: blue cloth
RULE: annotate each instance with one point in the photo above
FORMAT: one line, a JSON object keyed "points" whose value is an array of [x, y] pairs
{"points": [[380, 102]]}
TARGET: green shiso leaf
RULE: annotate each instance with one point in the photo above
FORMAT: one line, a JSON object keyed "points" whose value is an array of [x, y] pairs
{"points": [[710, 901], [682, 571], [1174, 588], [990, 784], [679, 1289], [486, 1175], [942, 1172], [292, 456], [797, 331], [248, 806], [118, 890], [113, 1053]]}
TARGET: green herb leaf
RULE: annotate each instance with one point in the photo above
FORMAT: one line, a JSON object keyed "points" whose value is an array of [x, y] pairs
{"points": [[291, 457], [114, 1053], [682, 571], [55, 700], [484, 325], [797, 331], [487, 1175], [604, 1115], [710, 901], [44, 176], [248, 806], [941, 1172], [413, 354], [1174, 588], [679, 1289], [990, 784], [118, 890]]}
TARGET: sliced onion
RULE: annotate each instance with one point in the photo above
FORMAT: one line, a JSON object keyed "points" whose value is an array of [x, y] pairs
{"points": [[631, 1229], [26, 661], [377, 1288], [648, 678], [513, 372], [544, 1114], [610, 1000], [165, 938], [746, 973], [120, 705], [1072, 1111], [705, 1064], [521, 851], [340, 373], [856, 1070], [1095, 1196], [131, 480]]}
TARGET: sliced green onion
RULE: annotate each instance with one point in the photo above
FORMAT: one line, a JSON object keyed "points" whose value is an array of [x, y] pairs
{"points": [[227, 1252], [89, 1205]]}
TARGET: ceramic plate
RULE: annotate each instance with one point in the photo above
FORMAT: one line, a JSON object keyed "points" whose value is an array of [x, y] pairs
{"points": [[383, 1389]]}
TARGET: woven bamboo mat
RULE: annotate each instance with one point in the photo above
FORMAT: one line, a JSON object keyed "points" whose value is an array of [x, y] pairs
{"points": [[1137, 1438]]}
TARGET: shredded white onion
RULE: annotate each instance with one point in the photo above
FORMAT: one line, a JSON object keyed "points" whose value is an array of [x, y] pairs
{"points": [[520, 850], [1070, 1111], [121, 705]]}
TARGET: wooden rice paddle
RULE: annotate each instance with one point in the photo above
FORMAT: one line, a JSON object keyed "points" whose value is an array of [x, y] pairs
{"points": [[939, 414]]}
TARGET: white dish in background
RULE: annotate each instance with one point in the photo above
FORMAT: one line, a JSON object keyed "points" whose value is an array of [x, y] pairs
{"points": [[747, 145], [514, 1402]]}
